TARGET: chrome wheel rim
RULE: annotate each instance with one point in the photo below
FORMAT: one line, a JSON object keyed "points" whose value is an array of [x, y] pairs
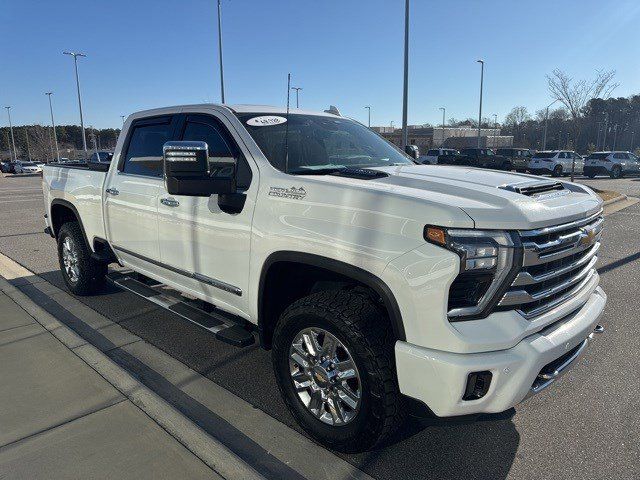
{"points": [[325, 376], [70, 259]]}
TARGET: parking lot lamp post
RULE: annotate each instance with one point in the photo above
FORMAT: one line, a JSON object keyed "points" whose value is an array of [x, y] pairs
{"points": [[631, 147], [75, 64], [606, 126], [443, 114], [220, 51], [13, 141], [297, 89], [546, 119], [53, 125], [495, 130], [369, 112], [405, 130], [481, 62]]}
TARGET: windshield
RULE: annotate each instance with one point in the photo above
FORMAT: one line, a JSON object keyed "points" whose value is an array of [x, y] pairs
{"points": [[317, 143]]}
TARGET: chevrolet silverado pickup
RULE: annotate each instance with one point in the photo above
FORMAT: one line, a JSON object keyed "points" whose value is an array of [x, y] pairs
{"points": [[380, 285]]}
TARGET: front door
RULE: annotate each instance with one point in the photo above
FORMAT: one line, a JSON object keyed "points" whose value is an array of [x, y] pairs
{"points": [[208, 247], [131, 192]]}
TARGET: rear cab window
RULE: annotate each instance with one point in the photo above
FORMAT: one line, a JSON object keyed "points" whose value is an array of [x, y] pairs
{"points": [[144, 146]]}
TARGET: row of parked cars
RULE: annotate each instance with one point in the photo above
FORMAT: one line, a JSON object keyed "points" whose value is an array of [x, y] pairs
{"points": [[552, 162], [22, 166]]}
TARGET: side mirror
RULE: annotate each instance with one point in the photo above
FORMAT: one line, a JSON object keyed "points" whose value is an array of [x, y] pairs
{"points": [[188, 171], [412, 151]]}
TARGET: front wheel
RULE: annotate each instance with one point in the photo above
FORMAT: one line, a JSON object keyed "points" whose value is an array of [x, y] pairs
{"points": [[333, 355], [82, 274], [557, 171]]}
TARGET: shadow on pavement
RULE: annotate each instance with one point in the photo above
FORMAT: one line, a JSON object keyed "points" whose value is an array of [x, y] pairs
{"points": [[469, 447]]}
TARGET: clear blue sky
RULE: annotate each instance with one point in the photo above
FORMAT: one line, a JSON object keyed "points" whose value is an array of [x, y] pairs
{"points": [[151, 53]]}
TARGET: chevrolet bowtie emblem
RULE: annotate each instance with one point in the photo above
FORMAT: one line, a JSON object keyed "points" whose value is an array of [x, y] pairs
{"points": [[588, 236]]}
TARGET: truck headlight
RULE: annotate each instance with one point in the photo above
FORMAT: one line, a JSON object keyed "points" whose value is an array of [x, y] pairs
{"points": [[489, 260]]}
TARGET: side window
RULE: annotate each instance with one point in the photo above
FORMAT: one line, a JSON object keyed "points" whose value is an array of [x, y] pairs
{"points": [[207, 129], [617, 156], [144, 152]]}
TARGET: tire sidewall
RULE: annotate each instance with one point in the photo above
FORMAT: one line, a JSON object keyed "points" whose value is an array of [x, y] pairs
{"points": [[365, 420]]}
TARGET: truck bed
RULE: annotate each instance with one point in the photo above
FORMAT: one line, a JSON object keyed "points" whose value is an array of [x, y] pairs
{"points": [[76, 185]]}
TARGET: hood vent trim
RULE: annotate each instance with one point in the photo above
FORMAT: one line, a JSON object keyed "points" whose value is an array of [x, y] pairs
{"points": [[534, 189]]}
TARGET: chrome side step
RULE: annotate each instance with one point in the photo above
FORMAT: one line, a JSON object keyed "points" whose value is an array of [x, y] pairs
{"points": [[224, 326]]}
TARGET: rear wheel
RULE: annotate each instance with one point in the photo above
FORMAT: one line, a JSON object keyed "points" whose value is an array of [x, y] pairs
{"points": [[616, 172], [333, 355], [82, 274]]}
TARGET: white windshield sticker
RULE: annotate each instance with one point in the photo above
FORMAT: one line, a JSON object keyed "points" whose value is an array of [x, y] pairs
{"points": [[265, 121]]}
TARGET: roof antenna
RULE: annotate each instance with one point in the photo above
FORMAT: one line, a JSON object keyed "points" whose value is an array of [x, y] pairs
{"points": [[286, 128]]}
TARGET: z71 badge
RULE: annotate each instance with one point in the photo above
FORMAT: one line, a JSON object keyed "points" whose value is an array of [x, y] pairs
{"points": [[292, 192]]}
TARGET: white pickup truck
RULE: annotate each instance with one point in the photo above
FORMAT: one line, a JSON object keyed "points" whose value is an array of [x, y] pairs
{"points": [[379, 284]]}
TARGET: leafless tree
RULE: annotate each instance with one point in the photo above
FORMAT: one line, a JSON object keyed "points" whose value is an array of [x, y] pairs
{"points": [[516, 117], [575, 95], [40, 142]]}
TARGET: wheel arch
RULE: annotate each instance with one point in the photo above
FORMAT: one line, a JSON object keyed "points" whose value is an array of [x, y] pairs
{"points": [[63, 211], [268, 308]]}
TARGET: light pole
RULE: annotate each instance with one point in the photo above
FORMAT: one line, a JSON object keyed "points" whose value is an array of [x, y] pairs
{"points": [[405, 130], [369, 109], [606, 126], [297, 89], [481, 62], [220, 51], [75, 64], [13, 141], [53, 125], [495, 130], [546, 118], [443, 115]]}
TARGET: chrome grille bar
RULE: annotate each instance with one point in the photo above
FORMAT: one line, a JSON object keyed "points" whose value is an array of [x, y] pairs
{"points": [[558, 263]]}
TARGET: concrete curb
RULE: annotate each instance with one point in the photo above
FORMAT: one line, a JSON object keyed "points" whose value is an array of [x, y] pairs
{"points": [[208, 449], [617, 199]]}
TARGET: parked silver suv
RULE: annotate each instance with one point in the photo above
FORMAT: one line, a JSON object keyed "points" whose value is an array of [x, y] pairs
{"points": [[614, 164]]}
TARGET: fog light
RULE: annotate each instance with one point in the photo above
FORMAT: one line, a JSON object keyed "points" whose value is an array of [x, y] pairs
{"points": [[477, 385]]}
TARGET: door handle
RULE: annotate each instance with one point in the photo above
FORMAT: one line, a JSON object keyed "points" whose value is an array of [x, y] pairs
{"points": [[112, 191], [169, 202]]}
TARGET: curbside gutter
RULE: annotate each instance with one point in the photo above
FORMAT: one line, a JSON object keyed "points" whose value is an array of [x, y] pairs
{"points": [[208, 449]]}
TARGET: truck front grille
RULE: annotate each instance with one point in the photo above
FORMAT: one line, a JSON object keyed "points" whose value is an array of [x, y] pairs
{"points": [[558, 262]]}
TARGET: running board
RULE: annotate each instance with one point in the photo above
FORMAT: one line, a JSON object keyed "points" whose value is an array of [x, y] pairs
{"points": [[219, 323]]}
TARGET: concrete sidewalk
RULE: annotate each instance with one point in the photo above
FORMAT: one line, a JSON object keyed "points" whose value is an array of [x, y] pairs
{"points": [[59, 418]]}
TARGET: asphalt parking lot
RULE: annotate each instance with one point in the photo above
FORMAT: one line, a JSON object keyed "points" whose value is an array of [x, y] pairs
{"points": [[586, 426]]}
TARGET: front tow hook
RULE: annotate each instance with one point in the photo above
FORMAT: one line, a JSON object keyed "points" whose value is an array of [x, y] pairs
{"points": [[596, 331]]}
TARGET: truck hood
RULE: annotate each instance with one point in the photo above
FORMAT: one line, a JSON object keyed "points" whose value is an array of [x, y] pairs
{"points": [[493, 199]]}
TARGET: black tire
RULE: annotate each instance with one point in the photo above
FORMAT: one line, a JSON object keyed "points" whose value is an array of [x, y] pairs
{"points": [[557, 171], [616, 172], [91, 273], [360, 324], [591, 175]]}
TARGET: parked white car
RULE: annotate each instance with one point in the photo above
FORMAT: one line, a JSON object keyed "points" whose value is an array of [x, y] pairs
{"points": [[433, 155], [614, 164], [29, 167], [377, 283], [557, 163]]}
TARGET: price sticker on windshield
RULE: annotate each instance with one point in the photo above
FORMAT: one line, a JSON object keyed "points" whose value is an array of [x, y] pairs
{"points": [[265, 121]]}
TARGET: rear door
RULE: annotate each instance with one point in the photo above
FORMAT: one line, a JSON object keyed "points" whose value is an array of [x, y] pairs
{"points": [[208, 248], [131, 192]]}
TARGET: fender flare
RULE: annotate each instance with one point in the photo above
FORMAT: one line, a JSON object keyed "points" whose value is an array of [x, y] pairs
{"points": [[70, 206], [342, 268]]}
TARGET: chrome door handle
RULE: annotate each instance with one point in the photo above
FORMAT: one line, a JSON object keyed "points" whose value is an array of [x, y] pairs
{"points": [[169, 202], [112, 191]]}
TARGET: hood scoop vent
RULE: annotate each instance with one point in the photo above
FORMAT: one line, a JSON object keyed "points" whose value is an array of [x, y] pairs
{"points": [[535, 188]]}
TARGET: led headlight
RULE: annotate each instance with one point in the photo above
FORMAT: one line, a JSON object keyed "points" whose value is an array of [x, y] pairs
{"points": [[487, 266]]}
